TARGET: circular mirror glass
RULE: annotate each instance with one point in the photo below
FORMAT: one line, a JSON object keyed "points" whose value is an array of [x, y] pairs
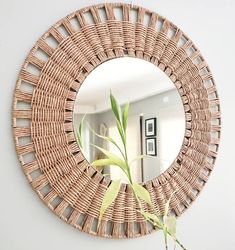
{"points": [[127, 110]]}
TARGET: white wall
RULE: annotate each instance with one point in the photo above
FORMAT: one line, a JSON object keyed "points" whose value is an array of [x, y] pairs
{"points": [[25, 223]]}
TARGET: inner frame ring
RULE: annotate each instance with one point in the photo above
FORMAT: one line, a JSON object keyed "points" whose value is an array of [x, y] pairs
{"points": [[79, 187]]}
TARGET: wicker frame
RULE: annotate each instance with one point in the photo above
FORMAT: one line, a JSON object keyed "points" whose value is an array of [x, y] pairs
{"points": [[43, 115]]}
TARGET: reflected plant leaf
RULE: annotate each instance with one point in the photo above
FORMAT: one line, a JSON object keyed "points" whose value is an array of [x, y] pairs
{"points": [[80, 134]]}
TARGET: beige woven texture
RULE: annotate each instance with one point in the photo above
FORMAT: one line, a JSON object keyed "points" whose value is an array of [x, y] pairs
{"points": [[43, 104]]}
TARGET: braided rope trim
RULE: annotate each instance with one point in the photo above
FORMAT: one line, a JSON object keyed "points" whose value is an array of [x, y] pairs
{"points": [[44, 96]]}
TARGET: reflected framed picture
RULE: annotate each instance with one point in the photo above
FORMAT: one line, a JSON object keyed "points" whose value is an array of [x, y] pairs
{"points": [[151, 127], [151, 146]]}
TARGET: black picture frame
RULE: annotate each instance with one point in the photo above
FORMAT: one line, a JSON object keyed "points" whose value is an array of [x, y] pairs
{"points": [[151, 127], [151, 146]]}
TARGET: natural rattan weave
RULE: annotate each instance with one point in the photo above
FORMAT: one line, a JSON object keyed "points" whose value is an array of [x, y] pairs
{"points": [[43, 103]]}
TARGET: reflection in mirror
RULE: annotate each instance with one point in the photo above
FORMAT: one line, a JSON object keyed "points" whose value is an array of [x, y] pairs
{"points": [[155, 124]]}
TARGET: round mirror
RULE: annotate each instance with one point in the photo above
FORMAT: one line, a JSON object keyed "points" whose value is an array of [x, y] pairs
{"points": [[151, 113]]}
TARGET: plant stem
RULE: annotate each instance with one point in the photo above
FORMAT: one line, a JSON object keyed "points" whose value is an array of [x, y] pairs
{"points": [[140, 206], [122, 132], [166, 232], [180, 244], [165, 239], [126, 160], [177, 241]]}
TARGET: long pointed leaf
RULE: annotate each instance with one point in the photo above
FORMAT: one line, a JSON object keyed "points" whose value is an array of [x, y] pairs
{"points": [[102, 162], [105, 162], [109, 196], [117, 112], [167, 206], [80, 132], [121, 132], [117, 160], [115, 107], [170, 223], [125, 116], [118, 116], [142, 193], [79, 139]]}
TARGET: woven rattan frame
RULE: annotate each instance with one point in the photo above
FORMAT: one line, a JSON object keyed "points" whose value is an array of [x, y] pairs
{"points": [[43, 115]]}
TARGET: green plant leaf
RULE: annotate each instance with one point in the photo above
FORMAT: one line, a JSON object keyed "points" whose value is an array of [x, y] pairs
{"points": [[167, 206], [170, 224], [118, 116], [152, 218], [114, 158], [142, 193], [102, 162], [125, 116], [119, 126], [121, 132], [79, 139], [80, 132], [109, 196], [115, 107]]}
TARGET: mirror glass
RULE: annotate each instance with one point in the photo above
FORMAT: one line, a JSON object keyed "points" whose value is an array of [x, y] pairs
{"points": [[155, 123]]}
